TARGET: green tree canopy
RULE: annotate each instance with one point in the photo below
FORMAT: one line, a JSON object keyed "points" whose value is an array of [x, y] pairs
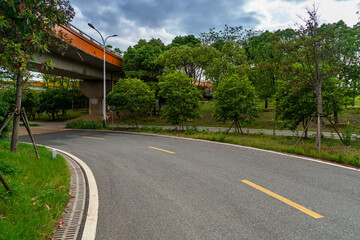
{"points": [[231, 60], [182, 98], [139, 60], [191, 60], [187, 40], [235, 100], [54, 100], [26, 28], [132, 96]]}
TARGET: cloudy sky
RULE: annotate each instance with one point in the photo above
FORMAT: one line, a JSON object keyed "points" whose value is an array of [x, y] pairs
{"points": [[132, 20]]}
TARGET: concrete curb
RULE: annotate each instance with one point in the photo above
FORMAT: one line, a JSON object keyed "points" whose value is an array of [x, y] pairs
{"points": [[88, 231]]}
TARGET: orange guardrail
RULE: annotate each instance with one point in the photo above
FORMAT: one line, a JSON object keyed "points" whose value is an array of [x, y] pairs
{"points": [[81, 42]]}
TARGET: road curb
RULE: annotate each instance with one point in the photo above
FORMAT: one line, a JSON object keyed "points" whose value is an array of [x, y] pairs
{"points": [[87, 224]]}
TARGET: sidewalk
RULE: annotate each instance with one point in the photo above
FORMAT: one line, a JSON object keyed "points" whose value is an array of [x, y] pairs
{"points": [[249, 130], [47, 127], [44, 127]]}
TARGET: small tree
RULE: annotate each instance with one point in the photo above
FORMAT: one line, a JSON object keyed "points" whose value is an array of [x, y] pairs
{"points": [[54, 100], [133, 96], [182, 98], [235, 100], [27, 28]]}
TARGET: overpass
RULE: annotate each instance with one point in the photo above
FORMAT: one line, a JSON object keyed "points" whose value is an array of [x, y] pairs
{"points": [[83, 59]]}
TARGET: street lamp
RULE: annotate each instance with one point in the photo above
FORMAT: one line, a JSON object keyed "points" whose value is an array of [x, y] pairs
{"points": [[104, 46]]}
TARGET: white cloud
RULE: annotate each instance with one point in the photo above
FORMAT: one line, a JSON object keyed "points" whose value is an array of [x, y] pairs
{"points": [[284, 14]]}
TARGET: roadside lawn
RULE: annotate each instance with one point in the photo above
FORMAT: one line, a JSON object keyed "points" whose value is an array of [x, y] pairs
{"points": [[332, 149], [40, 192], [350, 115]]}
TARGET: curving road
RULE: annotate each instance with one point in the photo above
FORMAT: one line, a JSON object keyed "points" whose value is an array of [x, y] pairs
{"points": [[154, 187]]}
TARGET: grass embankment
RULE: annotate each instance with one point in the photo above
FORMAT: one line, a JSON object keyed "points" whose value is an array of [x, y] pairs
{"points": [[40, 192], [43, 117], [332, 149], [350, 115]]}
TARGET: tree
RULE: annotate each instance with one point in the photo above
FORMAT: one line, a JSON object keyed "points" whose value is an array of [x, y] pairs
{"points": [[139, 60], [235, 100], [313, 49], [191, 60], [182, 98], [262, 55], [217, 39], [188, 40], [132, 96], [26, 28], [231, 60], [348, 46], [54, 100]]}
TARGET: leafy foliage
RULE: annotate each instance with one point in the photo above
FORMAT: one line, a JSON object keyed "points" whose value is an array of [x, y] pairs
{"points": [[182, 98], [133, 96], [27, 27], [191, 60], [231, 60], [139, 60], [54, 100], [188, 40], [235, 99]]}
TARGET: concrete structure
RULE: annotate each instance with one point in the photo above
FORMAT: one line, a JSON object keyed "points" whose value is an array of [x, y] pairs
{"points": [[83, 59]]}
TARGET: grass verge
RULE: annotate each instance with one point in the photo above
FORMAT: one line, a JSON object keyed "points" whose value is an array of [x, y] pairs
{"points": [[40, 192], [332, 149]]}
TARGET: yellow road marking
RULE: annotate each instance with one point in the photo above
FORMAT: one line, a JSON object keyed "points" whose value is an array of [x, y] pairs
{"points": [[287, 201], [161, 150], [95, 138]]}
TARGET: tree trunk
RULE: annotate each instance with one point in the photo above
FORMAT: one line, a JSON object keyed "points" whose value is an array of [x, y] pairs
{"points": [[336, 117], [319, 114], [15, 131], [266, 103]]}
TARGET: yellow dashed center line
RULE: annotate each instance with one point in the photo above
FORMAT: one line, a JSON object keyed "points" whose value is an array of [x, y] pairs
{"points": [[95, 138], [161, 150], [287, 201]]}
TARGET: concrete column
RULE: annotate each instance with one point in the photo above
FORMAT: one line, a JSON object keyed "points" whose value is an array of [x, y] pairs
{"points": [[93, 89]]}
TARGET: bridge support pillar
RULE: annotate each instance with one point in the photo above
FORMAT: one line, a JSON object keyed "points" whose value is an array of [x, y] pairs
{"points": [[94, 89]]}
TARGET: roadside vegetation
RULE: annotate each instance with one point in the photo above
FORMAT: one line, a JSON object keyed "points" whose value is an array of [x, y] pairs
{"points": [[40, 192], [333, 150]]}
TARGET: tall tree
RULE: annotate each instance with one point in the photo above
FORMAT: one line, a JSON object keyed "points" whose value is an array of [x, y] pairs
{"points": [[139, 60], [313, 49], [191, 60], [187, 40], [26, 28], [217, 39], [231, 60]]}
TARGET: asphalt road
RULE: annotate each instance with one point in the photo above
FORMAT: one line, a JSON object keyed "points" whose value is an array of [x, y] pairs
{"points": [[154, 187]]}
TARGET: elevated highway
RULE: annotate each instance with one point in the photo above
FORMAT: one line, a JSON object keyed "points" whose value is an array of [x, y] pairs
{"points": [[83, 59]]}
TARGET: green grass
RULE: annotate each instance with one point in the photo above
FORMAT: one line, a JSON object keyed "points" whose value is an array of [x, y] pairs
{"points": [[350, 115], [84, 124], [43, 117], [332, 149], [36, 184]]}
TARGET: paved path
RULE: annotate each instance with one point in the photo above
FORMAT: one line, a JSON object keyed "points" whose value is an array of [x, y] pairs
{"points": [[44, 127], [249, 130], [156, 187], [47, 127]]}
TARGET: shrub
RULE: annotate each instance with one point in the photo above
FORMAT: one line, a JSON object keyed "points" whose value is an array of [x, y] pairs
{"points": [[84, 124]]}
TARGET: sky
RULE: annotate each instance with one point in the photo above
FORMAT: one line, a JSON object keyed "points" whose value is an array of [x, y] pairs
{"points": [[132, 20]]}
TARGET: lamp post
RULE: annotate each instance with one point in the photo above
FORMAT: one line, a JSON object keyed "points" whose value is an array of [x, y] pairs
{"points": [[104, 46]]}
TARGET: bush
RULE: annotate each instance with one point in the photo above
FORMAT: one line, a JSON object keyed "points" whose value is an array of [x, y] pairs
{"points": [[84, 124], [347, 135]]}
